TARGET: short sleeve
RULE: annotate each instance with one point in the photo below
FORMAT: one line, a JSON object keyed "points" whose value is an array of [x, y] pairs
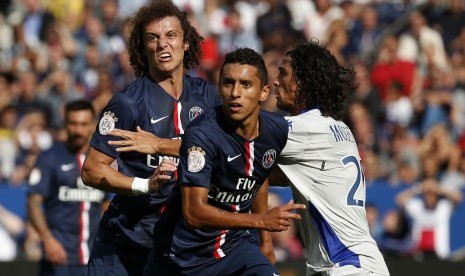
{"points": [[197, 155], [119, 113], [40, 178], [294, 144]]}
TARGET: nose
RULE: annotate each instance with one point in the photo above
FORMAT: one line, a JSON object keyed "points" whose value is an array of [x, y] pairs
{"points": [[162, 42], [235, 92]]}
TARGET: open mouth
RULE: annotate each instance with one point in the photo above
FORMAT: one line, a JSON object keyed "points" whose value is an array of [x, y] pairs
{"points": [[235, 107], [164, 57]]}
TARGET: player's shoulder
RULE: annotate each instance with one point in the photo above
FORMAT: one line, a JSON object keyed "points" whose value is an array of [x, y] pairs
{"points": [[273, 120], [198, 85], [55, 152]]}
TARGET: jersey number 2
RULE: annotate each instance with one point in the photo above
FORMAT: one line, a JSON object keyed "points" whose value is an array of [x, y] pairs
{"points": [[351, 201]]}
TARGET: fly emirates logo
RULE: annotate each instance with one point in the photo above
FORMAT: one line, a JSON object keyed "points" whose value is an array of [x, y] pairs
{"points": [[154, 160], [81, 193], [245, 190]]}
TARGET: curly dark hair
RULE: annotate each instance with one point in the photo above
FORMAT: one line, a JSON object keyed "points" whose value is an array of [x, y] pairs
{"points": [[159, 9], [321, 80], [249, 57]]}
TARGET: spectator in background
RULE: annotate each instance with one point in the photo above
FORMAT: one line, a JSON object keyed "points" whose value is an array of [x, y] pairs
{"points": [[32, 137], [36, 22], [395, 238], [422, 44], [274, 26], [63, 211], [317, 22], [451, 22], [11, 226], [8, 149], [430, 214], [235, 36], [365, 35], [390, 67]]}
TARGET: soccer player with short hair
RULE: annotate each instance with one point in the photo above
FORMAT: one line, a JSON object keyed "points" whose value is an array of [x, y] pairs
{"points": [[61, 208], [322, 164], [158, 105], [225, 158]]}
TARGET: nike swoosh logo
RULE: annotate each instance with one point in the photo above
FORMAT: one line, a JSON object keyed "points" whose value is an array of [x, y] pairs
{"points": [[67, 167], [232, 158], [153, 121]]}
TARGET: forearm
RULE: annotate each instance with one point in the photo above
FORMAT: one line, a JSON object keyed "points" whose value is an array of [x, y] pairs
{"points": [[168, 147], [37, 218], [210, 217], [101, 176], [260, 206]]}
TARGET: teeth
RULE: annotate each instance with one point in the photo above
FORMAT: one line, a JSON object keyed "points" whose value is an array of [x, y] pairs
{"points": [[165, 55]]}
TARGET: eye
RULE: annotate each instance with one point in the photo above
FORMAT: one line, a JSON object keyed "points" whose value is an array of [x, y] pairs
{"points": [[172, 35], [246, 84], [227, 82], [151, 37]]}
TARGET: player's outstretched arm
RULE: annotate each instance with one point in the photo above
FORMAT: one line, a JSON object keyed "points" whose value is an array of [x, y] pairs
{"points": [[98, 173], [144, 142], [199, 214], [260, 206]]}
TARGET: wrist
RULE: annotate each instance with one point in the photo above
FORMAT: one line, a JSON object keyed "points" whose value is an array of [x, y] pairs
{"points": [[140, 186]]}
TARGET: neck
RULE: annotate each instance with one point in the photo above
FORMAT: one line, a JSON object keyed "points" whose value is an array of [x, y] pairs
{"points": [[172, 83], [250, 128]]}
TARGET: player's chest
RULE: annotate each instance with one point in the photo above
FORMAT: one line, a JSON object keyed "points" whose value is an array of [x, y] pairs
{"points": [[172, 117], [246, 163]]}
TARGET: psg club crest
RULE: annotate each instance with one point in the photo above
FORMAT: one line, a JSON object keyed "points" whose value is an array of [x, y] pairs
{"points": [[107, 123], [195, 112], [195, 159], [268, 158]]}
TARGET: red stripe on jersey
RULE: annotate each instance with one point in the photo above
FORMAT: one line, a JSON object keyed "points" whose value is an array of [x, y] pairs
{"points": [[249, 158], [218, 243], [83, 221], [177, 118]]}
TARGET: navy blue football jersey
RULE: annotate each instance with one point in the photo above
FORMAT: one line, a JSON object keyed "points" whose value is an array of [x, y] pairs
{"points": [[144, 103], [233, 169], [72, 209]]}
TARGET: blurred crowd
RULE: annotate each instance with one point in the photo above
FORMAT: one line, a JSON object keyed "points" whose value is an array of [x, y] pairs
{"points": [[407, 113]]}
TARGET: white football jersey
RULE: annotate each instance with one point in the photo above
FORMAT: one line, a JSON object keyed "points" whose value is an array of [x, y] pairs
{"points": [[322, 163]]}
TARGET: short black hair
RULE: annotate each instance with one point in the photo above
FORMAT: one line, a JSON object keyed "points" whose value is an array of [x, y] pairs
{"points": [[79, 105], [249, 57]]}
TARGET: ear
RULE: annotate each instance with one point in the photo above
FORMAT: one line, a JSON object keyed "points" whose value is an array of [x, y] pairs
{"points": [[186, 46], [265, 92]]}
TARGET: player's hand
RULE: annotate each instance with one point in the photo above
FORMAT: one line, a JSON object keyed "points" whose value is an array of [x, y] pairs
{"points": [[280, 218], [138, 141], [54, 251], [163, 173]]}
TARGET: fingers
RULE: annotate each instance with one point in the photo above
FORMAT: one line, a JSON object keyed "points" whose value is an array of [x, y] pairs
{"points": [[292, 206], [166, 167]]}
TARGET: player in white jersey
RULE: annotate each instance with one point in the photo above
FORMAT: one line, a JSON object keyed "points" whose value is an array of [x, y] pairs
{"points": [[322, 163]]}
